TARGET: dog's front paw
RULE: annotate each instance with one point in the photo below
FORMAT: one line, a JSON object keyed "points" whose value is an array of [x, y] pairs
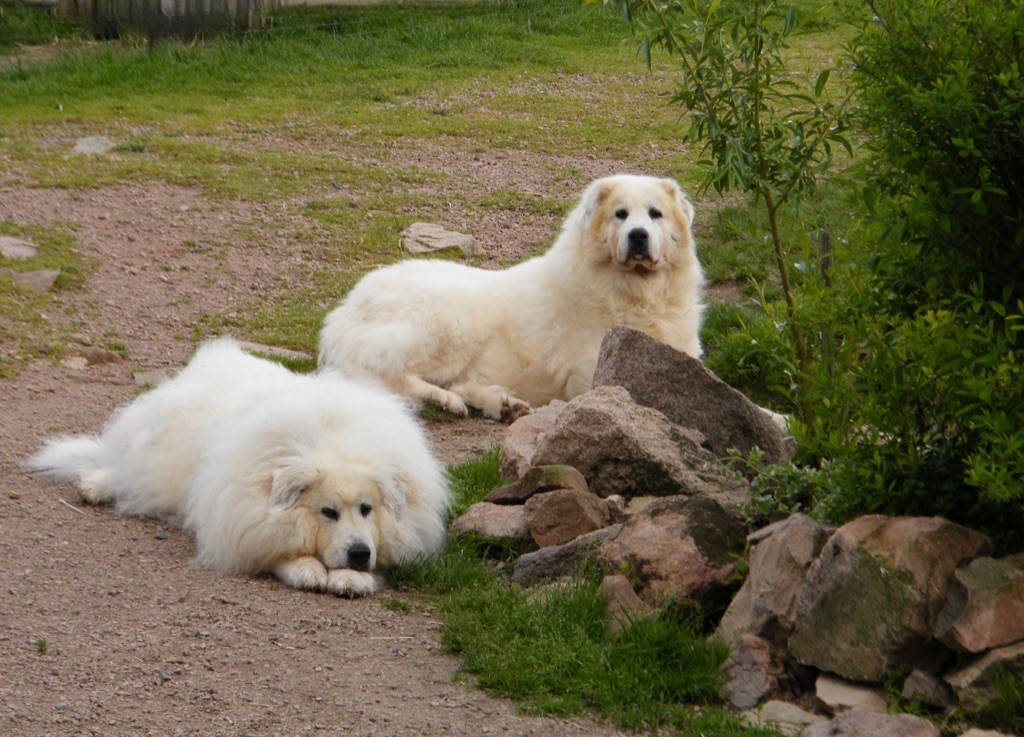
{"points": [[345, 582], [303, 573], [512, 409]]}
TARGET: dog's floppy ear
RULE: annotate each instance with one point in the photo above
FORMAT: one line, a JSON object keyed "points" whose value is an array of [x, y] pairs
{"points": [[676, 193], [289, 479], [595, 196], [396, 491]]}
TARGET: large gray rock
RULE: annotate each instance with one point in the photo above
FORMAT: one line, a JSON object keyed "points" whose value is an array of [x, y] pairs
{"points": [[985, 607], [626, 449], [678, 548], [870, 600], [781, 555], [975, 684], [864, 723], [558, 561], [538, 480], [523, 437], [684, 390], [557, 517], [497, 522]]}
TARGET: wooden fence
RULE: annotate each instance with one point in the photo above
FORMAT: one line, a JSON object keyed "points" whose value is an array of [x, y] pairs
{"points": [[169, 14]]}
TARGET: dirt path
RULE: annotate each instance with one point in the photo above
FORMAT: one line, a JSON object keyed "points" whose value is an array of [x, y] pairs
{"points": [[105, 629]]}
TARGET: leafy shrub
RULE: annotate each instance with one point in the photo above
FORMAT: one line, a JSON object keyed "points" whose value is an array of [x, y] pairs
{"points": [[942, 96], [920, 408]]}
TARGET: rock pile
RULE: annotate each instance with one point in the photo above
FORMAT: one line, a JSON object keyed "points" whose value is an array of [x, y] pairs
{"points": [[631, 477]]}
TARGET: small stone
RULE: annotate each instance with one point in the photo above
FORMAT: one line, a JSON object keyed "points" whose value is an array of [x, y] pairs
{"points": [[151, 378], [623, 605], [493, 521], [556, 517], [94, 145], [538, 480], [16, 248], [60, 705], [861, 723], [97, 356], [430, 237], [75, 363], [523, 436], [39, 281], [927, 689], [559, 560], [985, 605], [842, 694], [160, 535], [750, 673], [790, 720], [164, 678], [975, 684]]}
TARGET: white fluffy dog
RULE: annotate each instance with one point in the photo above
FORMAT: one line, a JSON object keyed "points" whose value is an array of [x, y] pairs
{"points": [[317, 479], [500, 341]]}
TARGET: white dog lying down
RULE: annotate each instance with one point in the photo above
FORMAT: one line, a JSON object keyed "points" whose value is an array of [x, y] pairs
{"points": [[317, 479], [501, 340]]}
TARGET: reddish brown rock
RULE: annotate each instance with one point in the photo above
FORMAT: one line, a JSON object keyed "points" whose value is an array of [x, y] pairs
{"points": [[678, 548], [622, 605], [985, 606], [492, 521], [538, 480], [523, 436], [556, 517]]}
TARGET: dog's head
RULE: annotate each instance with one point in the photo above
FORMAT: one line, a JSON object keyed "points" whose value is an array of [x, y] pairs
{"points": [[337, 509], [637, 224]]}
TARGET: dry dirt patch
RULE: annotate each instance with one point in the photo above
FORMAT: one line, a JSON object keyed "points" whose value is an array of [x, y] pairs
{"points": [[106, 627]]}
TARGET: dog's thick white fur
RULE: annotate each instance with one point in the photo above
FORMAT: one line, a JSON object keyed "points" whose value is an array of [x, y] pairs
{"points": [[500, 341], [318, 479]]}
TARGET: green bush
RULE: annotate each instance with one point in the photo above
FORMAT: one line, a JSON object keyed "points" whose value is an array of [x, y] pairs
{"points": [[942, 97], [932, 418], [919, 408]]}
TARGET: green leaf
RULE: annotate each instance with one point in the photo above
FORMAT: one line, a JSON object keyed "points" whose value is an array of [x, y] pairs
{"points": [[819, 85]]}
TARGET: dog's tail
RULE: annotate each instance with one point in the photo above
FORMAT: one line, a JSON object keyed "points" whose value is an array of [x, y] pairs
{"points": [[68, 459]]}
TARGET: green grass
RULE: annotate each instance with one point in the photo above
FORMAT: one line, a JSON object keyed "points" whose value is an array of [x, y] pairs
{"points": [[1005, 712], [25, 330], [547, 648]]}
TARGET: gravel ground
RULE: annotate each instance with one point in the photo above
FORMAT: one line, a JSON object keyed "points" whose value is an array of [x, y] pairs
{"points": [[105, 627]]}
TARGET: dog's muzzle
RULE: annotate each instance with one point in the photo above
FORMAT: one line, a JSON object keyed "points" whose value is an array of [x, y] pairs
{"points": [[638, 245]]}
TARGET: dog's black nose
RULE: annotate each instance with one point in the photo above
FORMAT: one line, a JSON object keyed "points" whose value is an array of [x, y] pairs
{"points": [[638, 243], [359, 557]]}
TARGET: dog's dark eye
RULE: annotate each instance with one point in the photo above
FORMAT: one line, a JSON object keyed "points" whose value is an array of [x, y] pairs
{"points": [[365, 509], [655, 213], [621, 214], [330, 513]]}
